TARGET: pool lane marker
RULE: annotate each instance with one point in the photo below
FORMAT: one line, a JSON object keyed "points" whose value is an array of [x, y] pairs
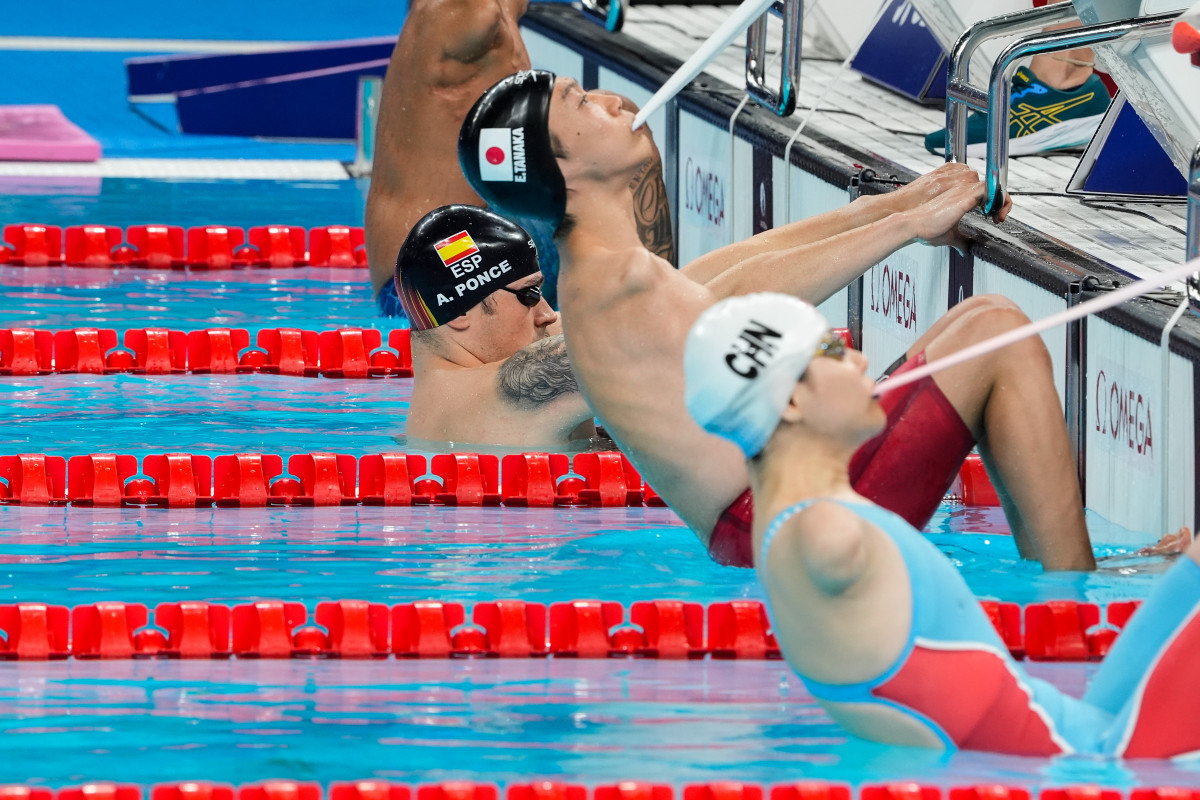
{"points": [[663, 629], [84, 44], [182, 169]]}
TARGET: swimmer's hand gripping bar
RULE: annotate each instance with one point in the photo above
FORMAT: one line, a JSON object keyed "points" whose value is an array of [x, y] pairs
{"points": [[1135, 289], [721, 38]]}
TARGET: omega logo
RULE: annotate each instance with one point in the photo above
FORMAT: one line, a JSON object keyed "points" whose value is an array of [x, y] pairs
{"points": [[704, 193], [894, 296], [1123, 414]]}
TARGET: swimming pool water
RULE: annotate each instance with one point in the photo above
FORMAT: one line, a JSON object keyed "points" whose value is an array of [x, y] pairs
{"points": [[591, 722], [414, 721], [141, 201]]}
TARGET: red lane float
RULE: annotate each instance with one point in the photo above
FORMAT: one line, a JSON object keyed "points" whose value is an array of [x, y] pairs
{"points": [[155, 246], [507, 628], [195, 790], [33, 245], [26, 352], [83, 350], [337, 246], [35, 631], [345, 353], [373, 789], [250, 480], [33, 479], [93, 246], [215, 247]]}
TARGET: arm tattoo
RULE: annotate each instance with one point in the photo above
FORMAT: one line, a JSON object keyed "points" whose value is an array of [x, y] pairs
{"points": [[538, 374], [652, 211]]}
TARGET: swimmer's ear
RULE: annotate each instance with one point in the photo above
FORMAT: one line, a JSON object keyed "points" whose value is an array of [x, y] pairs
{"points": [[459, 323], [794, 410]]}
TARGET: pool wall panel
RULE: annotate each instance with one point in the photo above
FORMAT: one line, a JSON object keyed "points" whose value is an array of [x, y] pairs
{"points": [[703, 188], [903, 296], [1137, 461]]}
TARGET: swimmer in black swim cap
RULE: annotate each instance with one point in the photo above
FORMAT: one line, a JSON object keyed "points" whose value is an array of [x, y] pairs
{"points": [[506, 151], [455, 258], [532, 133], [489, 362]]}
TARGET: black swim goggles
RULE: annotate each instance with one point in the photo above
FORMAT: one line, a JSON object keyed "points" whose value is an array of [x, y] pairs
{"points": [[528, 296]]}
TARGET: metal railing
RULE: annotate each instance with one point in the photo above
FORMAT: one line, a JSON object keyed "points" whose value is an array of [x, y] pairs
{"points": [[609, 13], [783, 100], [961, 95], [1193, 228]]}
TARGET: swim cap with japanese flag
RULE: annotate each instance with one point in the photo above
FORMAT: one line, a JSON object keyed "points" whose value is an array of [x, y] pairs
{"points": [[741, 362], [504, 148], [454, 258]]}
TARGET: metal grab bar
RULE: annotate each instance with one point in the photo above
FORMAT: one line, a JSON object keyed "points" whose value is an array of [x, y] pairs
{"points": [[961, 95], [783, 101], [1193, 228], [610, 13]]}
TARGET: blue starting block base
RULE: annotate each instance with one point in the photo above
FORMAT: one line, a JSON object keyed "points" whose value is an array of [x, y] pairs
{"points": [[900, 53], [302, 93], [1125, 161]]}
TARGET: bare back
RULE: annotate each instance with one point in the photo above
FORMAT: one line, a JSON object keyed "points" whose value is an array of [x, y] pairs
{"points": [[528, 402], [626, 315], [449, 52]]}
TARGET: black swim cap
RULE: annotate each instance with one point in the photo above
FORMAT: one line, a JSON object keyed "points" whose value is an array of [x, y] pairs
{"points": [[504, 148], [454, 258]]}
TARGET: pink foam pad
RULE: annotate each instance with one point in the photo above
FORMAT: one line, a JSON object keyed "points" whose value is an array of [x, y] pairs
{"points": [[42, 133]]}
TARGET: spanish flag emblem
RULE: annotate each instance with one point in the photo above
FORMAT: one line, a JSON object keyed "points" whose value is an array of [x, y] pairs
{"points": [[455, 248]]}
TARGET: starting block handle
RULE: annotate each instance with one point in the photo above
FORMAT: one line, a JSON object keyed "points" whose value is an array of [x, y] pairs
{"points": [[783, 100], [961, 95], [608, 13], [1047, 42], [1193, 228]]}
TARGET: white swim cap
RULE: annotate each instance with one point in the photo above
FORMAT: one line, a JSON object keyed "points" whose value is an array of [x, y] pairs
{"points": [[741, 362]]}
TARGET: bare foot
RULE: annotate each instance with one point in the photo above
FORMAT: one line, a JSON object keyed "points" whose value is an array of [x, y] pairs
{"points": [[1171, 544]]}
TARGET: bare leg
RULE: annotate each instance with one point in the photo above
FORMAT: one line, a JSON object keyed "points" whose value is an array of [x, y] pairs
{"points": [[1067, 69], [1009, 401]]}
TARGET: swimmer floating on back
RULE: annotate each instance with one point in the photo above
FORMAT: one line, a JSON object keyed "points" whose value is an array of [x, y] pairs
{"points": [[626, 313], [879, 624]]}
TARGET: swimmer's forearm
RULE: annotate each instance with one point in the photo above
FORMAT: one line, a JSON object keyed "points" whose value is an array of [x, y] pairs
{"points": [[816, 271], [863, 211]]}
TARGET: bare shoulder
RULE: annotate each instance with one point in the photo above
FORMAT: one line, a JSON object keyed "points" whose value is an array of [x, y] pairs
{"points": [[639, 267], [537, 374], [828, 541]]}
